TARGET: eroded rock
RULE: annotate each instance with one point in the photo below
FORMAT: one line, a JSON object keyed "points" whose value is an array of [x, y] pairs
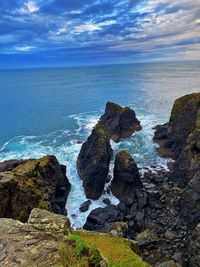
{"points": [[126, 178], [32, 183], [34, 243], [93, 162], [119, 122]]}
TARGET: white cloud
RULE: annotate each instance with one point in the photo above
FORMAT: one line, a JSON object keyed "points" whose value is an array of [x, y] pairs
{"points": [[75, 12], [28, 8], [25, 48], [88, 27], [61, 30]]}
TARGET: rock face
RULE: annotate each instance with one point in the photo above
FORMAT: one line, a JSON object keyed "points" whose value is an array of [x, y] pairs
{"points": [[194, 248], [191, 200], [126, 178], [32, 183], [180, 137], [93, 162], [119, 122], [34, 243], [48, 240]]}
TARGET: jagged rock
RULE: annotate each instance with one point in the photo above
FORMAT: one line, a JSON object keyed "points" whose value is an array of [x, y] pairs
{"points": [[126, 178], [85, 206], [118, 229], [191, 200], [194, 248], [101, 219], [34, 243], [180, 137], [93, 162], [119, 122], [8, 165], [146, 238], [32, 183], [107, 201]]}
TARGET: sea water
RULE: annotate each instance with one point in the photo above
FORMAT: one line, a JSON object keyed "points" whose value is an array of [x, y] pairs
{"points": [[51, 111]]}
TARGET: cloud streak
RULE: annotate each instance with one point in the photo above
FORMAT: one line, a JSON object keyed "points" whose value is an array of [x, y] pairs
{"points": [[117, 31]]}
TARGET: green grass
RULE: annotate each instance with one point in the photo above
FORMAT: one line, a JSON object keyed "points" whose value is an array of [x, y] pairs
{"points": [[117, 251]]}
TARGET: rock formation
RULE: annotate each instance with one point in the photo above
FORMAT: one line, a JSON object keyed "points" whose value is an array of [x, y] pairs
{"points": [[119, 122], [168, 206], [47, 240], [194, 248], [26, 184], [93, 162], [34, 243], [180, 138], [126, 178]]}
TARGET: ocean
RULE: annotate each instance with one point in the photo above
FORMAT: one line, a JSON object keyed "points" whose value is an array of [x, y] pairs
{"points": [[49, 111]]}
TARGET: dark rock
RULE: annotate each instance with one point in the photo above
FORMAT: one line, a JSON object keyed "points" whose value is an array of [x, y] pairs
{"points": [[106, 201], [126, 178], [101, 219], [85, 206], [180, 137], [33, 183], [93, 162], [8, 165], [191, 200], [119, 122], [147, 237], [108, 178], [194, 248]]}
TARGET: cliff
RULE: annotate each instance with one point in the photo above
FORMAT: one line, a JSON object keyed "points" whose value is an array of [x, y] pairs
{"points": [[47, 240], [28, 184]]}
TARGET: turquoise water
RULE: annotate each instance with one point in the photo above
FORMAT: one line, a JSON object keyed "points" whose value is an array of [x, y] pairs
{"points": [[47, 111]]}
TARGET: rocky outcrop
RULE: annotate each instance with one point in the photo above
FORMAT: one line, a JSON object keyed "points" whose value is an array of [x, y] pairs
{"points": [[126, 178], [153, 217], [180, 137], [32, 183], [194, 248], [191, 200], [119, 122], [34, 243], [93, 162], [47, 240]]}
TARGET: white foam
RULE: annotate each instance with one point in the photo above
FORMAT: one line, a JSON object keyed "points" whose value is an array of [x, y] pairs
{"points": [[65, 146]]}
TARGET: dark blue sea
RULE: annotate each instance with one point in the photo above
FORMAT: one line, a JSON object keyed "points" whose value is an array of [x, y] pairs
{"points": [[48, 111]]}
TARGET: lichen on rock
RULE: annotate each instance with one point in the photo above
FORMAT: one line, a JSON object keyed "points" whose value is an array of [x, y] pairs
{"points": [[32, 183]]}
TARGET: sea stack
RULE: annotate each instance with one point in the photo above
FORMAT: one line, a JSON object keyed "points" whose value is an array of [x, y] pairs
{"points": [[93, 162], [119, 122], [126, 178]]}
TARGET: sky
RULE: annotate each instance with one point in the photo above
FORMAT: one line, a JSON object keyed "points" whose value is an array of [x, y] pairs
{"points": [[37, 33]]}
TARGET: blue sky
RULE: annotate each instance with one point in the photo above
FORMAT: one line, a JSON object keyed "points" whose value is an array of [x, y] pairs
{"points": [[92, 32]]}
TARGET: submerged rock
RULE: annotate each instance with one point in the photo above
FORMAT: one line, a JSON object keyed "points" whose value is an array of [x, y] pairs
{"points": [[119, 122], [93, 162], [32, 183], [126, 178], [85, 206]]}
